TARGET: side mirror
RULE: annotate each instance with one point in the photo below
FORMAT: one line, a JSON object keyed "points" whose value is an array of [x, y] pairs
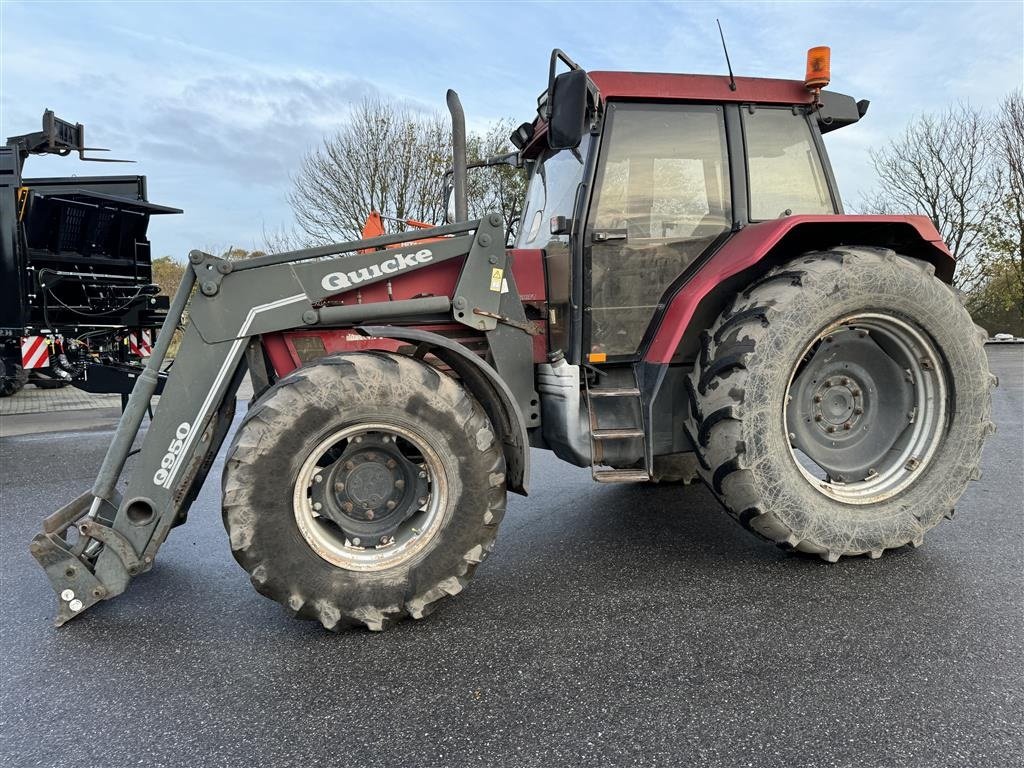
{"points": [[448, 197], [568, 119], [449, 206]]}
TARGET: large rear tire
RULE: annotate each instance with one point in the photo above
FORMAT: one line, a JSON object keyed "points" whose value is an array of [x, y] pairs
{"points": [[362, 489], [840, 405]]}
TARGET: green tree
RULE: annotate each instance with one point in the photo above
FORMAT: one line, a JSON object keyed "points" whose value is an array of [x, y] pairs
{"points": [[998, 304], [1003, 291], [167, 273]]}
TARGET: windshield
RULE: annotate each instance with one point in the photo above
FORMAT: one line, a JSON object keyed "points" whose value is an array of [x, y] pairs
{"points": [[552, 192]]}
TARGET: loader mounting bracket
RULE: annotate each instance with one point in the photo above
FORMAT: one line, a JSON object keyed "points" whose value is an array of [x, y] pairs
{"points": [[77, 586]]}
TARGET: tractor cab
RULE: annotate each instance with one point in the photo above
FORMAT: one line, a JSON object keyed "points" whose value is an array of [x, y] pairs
{"points": [[661, 170]]}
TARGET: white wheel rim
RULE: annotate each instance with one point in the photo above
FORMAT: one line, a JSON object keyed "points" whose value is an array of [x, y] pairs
{"points": [[327, 541]]}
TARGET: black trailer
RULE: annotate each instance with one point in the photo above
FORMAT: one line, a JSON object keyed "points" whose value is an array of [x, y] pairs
{"points": [[77, 300]]}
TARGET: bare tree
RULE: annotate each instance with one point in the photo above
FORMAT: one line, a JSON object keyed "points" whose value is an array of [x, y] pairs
{"points": [[392, 160], [1007, 232], [942, 167], [385, 158], [500, 187]]}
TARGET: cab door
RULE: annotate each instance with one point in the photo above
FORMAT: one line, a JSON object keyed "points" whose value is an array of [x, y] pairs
{"points": [[662, 198]]}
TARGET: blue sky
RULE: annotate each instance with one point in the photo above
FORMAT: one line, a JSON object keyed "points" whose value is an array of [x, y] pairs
{"points": [[218, 101]]}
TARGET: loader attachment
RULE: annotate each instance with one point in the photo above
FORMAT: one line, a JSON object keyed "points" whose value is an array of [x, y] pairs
{"points": [[120, 531]]}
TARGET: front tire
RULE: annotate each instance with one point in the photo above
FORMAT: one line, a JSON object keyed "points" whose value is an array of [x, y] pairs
{"points": [[362, 489], [840, 405]]}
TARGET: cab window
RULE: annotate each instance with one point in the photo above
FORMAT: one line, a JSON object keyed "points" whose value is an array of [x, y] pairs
{"points": [[784, 168], [552, 192], [662, 199], [554, 183]]}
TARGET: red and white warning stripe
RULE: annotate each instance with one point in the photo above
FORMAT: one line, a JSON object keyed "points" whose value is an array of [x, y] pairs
{"points": [[35, 352], [140, 344]]}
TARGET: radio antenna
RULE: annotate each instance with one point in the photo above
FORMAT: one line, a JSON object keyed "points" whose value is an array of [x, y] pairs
{"points": [[732, 80]]}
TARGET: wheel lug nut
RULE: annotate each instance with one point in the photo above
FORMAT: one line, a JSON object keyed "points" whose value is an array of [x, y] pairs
{"points": [[831, 428], [369, 514], [844, 381], [817, 417], [858, 411], [349, 466], [357, 541], [339, 486], [817, 398], [391, 505], [855, 392], [317, 506], [347, 506], [318, 479], [399, 484], [390, 464], [828, 382], [847, 425]]}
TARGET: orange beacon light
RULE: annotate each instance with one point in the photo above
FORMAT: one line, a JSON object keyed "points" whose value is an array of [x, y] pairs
{"points": [[819, 61]]}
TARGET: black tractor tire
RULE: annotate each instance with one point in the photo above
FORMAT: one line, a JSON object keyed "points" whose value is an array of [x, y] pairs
{"points": [[281, 431], [740, 390], [12, 378], [50, 383]]}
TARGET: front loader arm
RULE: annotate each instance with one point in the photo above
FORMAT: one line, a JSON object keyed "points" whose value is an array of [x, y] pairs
{"points": [[119, 535]]}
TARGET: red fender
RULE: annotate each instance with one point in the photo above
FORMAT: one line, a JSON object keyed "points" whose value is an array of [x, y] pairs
{"points": [[778, 239]]}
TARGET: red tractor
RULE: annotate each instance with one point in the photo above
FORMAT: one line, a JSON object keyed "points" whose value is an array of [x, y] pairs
{"points": [[685, 298]]}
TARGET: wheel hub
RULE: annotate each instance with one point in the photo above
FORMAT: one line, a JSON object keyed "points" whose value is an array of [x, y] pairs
{"points": [[849, 405], [837, 403], [369, 490]]}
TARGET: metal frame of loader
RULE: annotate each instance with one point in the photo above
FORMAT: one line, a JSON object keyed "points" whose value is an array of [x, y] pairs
{"points": [[237, 302]]}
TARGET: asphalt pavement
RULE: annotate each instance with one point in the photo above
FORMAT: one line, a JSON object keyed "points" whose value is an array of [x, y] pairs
{"points": [[632, 625]]}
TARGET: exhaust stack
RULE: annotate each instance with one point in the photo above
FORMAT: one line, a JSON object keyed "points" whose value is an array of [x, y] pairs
{"points": [[458, 156]]}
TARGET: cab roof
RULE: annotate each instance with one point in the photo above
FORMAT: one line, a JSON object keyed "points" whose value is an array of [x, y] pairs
{"points": [[835, 110], [656, 85]]}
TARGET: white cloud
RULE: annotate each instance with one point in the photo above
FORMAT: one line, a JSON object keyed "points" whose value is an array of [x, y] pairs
{"points": [[219, 101]]}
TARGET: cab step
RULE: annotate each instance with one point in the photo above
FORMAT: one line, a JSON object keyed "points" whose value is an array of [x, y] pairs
{"points": [[616, 434], [615, 392], [621, 475]]}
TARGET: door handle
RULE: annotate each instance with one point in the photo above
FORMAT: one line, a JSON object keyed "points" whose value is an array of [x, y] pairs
{"points": [[604, 235]]}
